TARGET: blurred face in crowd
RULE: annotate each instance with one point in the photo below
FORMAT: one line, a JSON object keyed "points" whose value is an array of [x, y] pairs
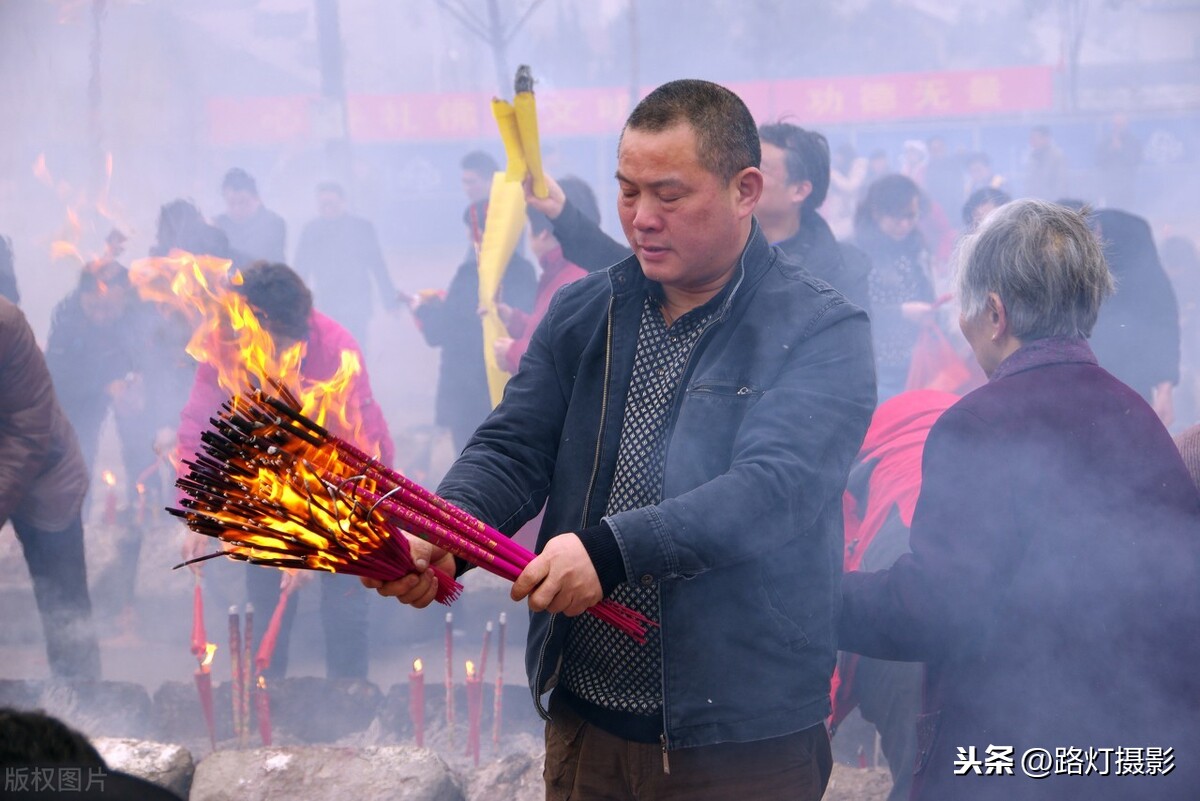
{"points": [[330, 204], [477, 187], [105, 304], [899, 226], [686, 225], [240, 204], [781, 197]]}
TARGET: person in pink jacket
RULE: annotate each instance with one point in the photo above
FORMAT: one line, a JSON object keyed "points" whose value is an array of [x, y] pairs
{"points": [[283, 305]]}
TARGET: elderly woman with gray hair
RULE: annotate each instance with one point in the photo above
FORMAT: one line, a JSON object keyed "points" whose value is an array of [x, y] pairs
{"points": [[1053, 589]]}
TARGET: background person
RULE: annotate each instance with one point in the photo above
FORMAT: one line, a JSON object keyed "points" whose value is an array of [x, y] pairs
{"points": [[1054, 553]]}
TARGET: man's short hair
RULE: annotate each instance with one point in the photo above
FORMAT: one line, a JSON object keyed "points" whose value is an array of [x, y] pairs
{"points": [[280, 299], [480, 163], [332, 187], [806, 156], [238, 180], [726, 136], [102, 277], [1043, 261], [579, 195]]}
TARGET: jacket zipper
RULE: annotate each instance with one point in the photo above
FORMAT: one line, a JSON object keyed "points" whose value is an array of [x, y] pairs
{"points": [[678, 401], [537, 699]]}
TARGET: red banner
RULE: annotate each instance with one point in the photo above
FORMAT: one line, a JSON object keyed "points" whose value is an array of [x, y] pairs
{"points": [[590, 112]]}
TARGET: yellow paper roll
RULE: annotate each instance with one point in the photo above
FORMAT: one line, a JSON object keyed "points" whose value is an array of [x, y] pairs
{"points": [[506, 121]]}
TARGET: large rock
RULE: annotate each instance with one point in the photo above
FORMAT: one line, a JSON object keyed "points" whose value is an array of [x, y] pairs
{"points": [[164, 764], [858, 784], [516, 777], [400, 773]]}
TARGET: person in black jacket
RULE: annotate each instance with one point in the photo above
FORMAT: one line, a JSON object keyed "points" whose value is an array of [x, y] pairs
{"points": [[1137, 336], [795, 166], [451, 322]]}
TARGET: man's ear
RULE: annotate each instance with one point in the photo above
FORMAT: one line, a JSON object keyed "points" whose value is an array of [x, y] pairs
{"points": [[799, 192], [747, 188], [997, 316]]}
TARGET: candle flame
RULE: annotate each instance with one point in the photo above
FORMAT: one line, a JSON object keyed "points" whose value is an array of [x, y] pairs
{"points": [[210, 650], [109, 477], [470, 669], [141, 488], [417, 666], [262, 682]]}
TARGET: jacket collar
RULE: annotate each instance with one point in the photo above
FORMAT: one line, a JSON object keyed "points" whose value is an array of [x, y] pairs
{"points": [[1042, 352], [626, 277]]}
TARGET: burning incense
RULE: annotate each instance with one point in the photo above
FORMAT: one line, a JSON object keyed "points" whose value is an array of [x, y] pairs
{"points": [[279, 489], [247, 671], [450, 675], [487, 636], [497, 703], [235, 668], [416, 701]]}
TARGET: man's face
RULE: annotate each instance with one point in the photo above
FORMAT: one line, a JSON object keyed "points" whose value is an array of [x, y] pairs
{"points": [[780, 197], [330, 204], [240, 204], [105, 304], [686, 225], [477, 187]]}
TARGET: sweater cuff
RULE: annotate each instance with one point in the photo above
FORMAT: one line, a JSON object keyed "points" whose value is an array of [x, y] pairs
{"points": [[605, 553]]}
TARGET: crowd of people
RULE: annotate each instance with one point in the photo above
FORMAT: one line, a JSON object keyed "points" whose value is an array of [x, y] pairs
{"points": [[799, 362]]}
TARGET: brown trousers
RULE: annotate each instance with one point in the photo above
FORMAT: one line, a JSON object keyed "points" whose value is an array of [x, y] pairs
{"points": [[585, 763]]}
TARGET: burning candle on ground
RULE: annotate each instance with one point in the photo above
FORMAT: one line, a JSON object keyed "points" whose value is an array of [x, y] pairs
{"points": [[203, 651], [474, 710], [262, 707], [416, 701], [203, 678], [110, 497], [141, 504], [497, 702]]}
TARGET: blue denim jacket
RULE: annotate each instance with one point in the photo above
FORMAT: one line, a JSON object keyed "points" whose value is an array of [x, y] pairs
{"points": [[746, 546]]}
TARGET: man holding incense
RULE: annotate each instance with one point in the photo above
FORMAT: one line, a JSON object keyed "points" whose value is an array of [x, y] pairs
{"points": [[688, 417]]}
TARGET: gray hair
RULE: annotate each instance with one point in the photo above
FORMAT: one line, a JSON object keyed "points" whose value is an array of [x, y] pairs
{"points": [[1043, 261]]}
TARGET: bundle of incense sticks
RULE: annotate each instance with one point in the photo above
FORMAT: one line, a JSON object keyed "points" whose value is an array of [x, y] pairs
{"points": [[278, 489]]}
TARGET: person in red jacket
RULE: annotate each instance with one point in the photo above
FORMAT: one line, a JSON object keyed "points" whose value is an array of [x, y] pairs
{"points": [[557, 272], [283, 304]]}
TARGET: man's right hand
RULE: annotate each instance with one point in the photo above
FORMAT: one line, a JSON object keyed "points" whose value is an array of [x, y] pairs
{"points": [[552, 204], [417, 589]]}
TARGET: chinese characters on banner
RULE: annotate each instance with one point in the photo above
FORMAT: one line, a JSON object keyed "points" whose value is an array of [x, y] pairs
{"points": [[587, 112]]}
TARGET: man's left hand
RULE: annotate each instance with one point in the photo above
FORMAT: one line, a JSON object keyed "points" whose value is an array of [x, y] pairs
{"points": [[560, 579]]}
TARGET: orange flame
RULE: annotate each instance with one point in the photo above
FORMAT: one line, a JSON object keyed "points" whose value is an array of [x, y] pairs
{"points": [[470, 669], [229, 336], [417, 666], [210, 650], [109, 477], [262, 682], [141, 488]]}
